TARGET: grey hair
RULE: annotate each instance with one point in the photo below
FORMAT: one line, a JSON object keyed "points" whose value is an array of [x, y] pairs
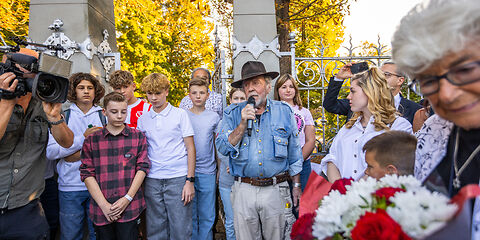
{"points": [[204, 69], [399, 72], [428, 33]]}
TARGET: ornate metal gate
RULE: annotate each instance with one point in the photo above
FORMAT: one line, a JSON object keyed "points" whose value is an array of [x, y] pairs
{"points": [[312, 75]]}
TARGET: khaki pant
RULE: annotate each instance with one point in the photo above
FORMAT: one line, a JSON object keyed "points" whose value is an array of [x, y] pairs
{"points": [[262, 212]]}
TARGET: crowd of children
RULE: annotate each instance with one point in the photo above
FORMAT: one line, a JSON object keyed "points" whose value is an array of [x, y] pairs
{"points": [[133, 156]]}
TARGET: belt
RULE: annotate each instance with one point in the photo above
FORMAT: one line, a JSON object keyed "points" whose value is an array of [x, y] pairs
{"points": [[261, 182]]}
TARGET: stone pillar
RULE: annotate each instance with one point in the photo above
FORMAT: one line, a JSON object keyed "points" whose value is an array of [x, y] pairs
{"points": [[84, 23], [255, 35]]}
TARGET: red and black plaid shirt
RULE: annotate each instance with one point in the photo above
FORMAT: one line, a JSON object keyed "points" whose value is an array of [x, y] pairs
{"points": [[113, 161]]}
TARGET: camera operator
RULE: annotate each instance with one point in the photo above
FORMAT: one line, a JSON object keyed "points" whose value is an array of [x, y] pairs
{"points": [[24, 128]]}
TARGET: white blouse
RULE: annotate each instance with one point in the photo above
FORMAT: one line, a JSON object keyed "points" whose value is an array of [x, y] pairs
{"points": [[346, 150]]}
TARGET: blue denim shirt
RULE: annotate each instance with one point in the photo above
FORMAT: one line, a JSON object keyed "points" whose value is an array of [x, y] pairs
{"points": [[273, 148]]}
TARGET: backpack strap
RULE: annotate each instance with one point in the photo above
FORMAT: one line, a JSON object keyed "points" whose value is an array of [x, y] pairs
{"points": [[102, 118], [66, 115]]}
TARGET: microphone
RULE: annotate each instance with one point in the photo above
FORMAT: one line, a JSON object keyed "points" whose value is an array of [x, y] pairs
{"points": [[250, 100]]}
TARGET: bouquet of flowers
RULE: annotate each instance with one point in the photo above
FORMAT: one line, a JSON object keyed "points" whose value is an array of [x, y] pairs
{"points": [[395, 207]]}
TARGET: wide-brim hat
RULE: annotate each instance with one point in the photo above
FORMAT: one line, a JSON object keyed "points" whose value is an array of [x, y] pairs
{"points": [[253, 69]]}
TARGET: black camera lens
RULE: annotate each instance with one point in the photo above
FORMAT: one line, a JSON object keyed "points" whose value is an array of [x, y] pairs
{"points": [[50, 88], [46, 88]]}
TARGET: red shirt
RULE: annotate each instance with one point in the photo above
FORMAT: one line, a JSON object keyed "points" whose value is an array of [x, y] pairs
{"points": [[136, 110], [113, 161]]}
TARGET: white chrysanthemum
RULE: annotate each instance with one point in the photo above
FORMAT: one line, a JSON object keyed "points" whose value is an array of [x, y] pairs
{"points": [[420, 212], [409, 182], [329, 215]]}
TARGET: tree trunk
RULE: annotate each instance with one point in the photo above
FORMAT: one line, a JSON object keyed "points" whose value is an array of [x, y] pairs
{"points": [[283, 29]]}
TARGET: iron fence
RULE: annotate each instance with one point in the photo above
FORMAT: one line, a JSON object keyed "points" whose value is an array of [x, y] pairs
{"points": [[312, 74]]}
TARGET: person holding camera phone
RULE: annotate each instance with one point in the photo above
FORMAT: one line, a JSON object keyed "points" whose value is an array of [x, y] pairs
{"points": [[24, 126], [395, 79]]}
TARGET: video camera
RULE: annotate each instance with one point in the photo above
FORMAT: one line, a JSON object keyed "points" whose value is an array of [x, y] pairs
{"points": [[51, 80]]}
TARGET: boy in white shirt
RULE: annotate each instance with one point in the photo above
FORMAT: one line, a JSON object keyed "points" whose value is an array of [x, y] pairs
{"points": [[122, 82], [169, 186], [83, 118], [204, 124]]}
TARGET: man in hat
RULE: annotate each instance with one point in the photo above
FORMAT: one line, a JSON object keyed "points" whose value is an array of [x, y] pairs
{"points": [[262, 161]]}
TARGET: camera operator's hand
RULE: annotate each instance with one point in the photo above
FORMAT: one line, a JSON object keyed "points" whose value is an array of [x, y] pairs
{"points": [[62, 134], [6, 79], [344, 72], [52, 110]]}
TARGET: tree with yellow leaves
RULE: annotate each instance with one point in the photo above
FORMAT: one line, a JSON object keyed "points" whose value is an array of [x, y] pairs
{"points": [[166, 36], [14, 20]]}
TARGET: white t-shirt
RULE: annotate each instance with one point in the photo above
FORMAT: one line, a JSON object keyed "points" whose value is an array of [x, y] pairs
{"points": [[303, 118], [166, 149]]}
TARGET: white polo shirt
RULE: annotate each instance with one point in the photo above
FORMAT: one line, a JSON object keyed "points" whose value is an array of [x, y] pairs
{"points": [[166, 149]]}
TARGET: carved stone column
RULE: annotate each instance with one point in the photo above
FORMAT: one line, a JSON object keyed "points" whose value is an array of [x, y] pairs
{"points": [[255, 35], [85, 27]]}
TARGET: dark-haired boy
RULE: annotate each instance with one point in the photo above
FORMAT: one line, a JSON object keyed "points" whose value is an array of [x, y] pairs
{"points": [[392, 152], [114, 165]]}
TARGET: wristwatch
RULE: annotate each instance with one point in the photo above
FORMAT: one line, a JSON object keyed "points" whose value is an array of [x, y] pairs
{"points": [[57, 122], [191, 179], [296, 184]]}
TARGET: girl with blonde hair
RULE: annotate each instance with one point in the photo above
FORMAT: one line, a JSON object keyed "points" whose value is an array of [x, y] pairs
{"points": [[372, 102]]}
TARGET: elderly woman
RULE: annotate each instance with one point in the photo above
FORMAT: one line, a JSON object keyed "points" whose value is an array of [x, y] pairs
{"points": [[439, 46]]}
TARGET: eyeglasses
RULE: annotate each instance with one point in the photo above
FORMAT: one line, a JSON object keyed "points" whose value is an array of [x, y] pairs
{"points": [[389, 74], [458, 76]]}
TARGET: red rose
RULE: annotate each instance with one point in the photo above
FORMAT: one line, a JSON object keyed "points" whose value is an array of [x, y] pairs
{"points": [[387, 192], [379, 225], [302, 228], [340, 185]]}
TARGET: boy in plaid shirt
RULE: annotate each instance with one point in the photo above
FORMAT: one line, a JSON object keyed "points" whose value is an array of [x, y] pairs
{"points": [[114, 165]]}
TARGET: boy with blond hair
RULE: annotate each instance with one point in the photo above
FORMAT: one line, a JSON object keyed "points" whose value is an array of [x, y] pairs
{"points": [[114, 165], [204, 124], [122, 82], [392, 152], [169, 187]]}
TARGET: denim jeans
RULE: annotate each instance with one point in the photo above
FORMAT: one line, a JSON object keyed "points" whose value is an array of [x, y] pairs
{"points": [[227, 207], [167, 217], [203, 210], [74, 207], [305, 173]]}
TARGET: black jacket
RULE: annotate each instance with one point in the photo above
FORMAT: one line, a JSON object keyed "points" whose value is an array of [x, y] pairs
{"points": [[332, 104]]}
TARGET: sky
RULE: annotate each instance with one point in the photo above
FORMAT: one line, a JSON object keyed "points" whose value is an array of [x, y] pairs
{"points": [[370, 18]]}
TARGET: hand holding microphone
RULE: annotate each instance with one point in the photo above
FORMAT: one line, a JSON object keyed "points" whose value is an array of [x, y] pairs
{"points": [[250, 101]]}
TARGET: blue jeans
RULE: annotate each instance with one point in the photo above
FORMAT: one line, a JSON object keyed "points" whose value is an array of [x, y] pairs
{"points": [[74, 207], [227, 207], [305, 173], [203, 211]]}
